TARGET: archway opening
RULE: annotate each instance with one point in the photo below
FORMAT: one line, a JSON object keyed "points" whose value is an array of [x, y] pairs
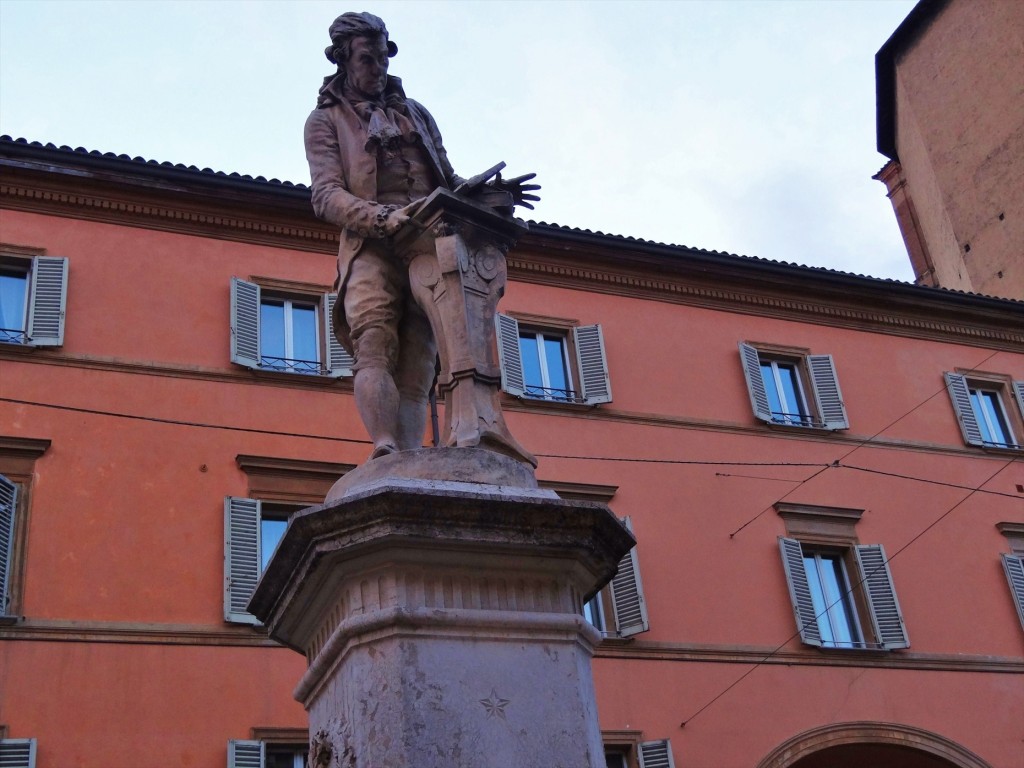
{"points": [[871, 756]]}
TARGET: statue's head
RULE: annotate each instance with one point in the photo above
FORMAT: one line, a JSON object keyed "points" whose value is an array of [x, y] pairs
{"points": [[349, 26]]}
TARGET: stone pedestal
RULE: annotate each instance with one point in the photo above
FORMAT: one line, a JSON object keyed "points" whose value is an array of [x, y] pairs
{"points": [[441, 619]]}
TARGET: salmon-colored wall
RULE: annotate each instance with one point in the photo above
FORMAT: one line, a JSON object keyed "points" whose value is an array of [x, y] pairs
{"points": [[126, 519]]}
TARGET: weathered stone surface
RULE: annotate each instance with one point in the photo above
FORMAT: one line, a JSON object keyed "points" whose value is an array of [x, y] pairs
{"points": [[442, 622]]}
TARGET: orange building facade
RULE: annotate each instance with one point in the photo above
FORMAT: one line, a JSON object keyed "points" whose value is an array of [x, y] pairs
{"points": [[823, 473]]}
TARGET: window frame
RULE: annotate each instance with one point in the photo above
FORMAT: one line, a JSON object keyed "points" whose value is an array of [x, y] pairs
{"points": [[44, 309], [247, 298], [870, 594], [620, 605], [25, 751], [18, 458], [289, 363], [1013, 564], [584, 354], [961, 385], [818, 385]]}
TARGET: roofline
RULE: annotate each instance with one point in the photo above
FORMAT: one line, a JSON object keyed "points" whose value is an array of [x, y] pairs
{"points": [[217, 187], [885, 71]]}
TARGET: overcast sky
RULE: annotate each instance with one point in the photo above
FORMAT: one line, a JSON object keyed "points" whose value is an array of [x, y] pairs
{"points": [[744, 126]]}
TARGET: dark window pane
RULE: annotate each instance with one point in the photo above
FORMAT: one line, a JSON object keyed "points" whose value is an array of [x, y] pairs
{"points": [[304, 341], [991, 418], [772, 389], [531, 362], [271, 531], [13, 288], [272, 329], [554, 356]]}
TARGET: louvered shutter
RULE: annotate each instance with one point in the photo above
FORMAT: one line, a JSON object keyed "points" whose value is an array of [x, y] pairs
{"points": [[656, 754], [245, 323], [595, 384], [1018, 390], [881, 595], [800, 591], [755, 382], [509, 357], [628, 602], [17, 753], [961, 397], [246, 754], [241, 557], [8, 505], [1014, 567], [827, 392], [47, 302], [338, 362]]}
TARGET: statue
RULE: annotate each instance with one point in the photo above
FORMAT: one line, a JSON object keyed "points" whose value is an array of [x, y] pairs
{"points": [[374, 156]]}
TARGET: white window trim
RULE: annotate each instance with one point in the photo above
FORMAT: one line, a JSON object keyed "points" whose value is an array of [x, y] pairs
{"points": [[591, 362], [875, 579], [826, 409], [46, 297], [246, 300], [959, 386], [18, 753]]}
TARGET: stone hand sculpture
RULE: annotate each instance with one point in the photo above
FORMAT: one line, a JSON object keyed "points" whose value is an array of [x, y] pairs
{"points": [[374, 156]]}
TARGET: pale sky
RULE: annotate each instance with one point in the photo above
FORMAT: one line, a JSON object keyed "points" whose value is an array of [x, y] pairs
{"points": [[744, 126]]}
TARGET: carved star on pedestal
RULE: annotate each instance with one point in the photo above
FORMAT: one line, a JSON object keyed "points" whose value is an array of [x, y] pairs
{"points": [[495, 705]]}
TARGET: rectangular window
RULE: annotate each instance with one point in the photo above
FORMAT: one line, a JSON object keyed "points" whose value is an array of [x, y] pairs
{"points": [[565, 364], [13, 304], [832, 597], [261, 753], [33, 297], [833, 609], [278, 331], [620, 610], [981, 407], [546, 366], [252, 531], [793, 387]]}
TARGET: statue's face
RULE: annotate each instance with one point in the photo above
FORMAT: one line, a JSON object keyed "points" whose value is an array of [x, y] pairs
{"points": [[367, 67]]}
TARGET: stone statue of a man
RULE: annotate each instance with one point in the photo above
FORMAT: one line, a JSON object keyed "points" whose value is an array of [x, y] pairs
{"points": [[373, 153]]}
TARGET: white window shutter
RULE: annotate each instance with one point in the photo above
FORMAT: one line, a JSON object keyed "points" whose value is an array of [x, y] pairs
{"points": [[509, 357], [18, 753], [595, 384], [656, 754], [627, 591], [338, 361], [755, 382], [961, 397], [800, 591], [881, 596], [241, 557], [48, 295], [827, 392], [246, 754], [245, 323], [8, 505], [1014, 567]]}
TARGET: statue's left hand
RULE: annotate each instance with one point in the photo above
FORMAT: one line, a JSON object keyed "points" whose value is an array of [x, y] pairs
{"points": [[520, 191]]}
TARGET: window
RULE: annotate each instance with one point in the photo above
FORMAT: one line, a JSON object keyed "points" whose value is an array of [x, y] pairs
{"points": [[253, 530], [793, 388], [980, 406], [18, 753], [264, 754], [563, 364], [1013, 564], [33, 297], [17, 467], [253, 527], [842, 592], [619, 610], [626, 749], [277, 329]]}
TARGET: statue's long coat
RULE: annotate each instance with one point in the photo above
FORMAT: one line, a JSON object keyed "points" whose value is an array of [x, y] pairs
{"points": [[344, 173]]}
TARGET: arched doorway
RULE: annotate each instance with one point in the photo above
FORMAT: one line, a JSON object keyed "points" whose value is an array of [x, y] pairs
{"points": [[879, 745]]}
